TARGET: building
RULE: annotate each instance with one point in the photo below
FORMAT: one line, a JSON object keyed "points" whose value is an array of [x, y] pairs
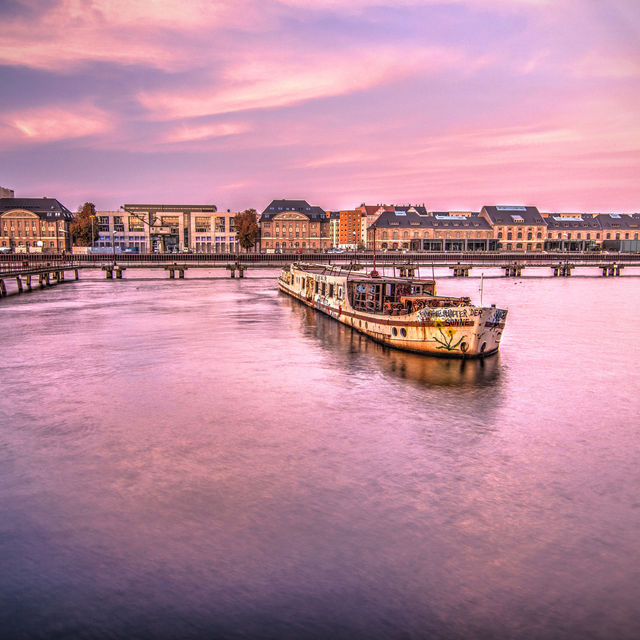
{"points": [[294, 225], [412, 228], [334, 227], [167, 228], [6, 193], [572, 232], [619, 231], [369, 214], [34, 225], [349, 229], [516, 228]]}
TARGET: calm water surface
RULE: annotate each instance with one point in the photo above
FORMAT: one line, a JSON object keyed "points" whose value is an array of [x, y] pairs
{"points": [[209, 458]]}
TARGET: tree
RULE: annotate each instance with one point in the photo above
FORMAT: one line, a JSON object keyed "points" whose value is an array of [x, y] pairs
{"points": [[83, 225], [246, 226]]}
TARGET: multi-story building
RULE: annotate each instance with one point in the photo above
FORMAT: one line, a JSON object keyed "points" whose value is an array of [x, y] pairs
{"points": [[516, 228], [334, 228], [34, 225], [168, 228], [6, 193], [349, 229], [294, 225], [572, 232], [619, 232], [406, 229], [369, 214]]}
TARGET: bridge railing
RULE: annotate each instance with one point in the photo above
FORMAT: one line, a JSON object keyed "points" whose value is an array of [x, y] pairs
{"points": [[469, 257]]}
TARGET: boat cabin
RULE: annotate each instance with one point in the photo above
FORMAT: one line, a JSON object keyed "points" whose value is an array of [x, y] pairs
{"points": [[392, 297]]}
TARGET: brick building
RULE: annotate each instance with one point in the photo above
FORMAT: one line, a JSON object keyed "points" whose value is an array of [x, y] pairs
{"points": [[34, 225], [292, 225]]}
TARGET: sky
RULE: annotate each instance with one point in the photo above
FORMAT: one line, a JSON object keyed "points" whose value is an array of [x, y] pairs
{"points": [[452, 103]]}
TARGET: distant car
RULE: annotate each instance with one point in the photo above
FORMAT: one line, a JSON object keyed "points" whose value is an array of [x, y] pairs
{"points": [[278, 251], [335, 250]]}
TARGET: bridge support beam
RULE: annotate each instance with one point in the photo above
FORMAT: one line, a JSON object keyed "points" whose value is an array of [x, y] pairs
{"points": [[77, 274], [236, 267], [119, 271], [460, 271], [19, 283], [513, 270], [3, 289], [28, 282], [562, 270]]}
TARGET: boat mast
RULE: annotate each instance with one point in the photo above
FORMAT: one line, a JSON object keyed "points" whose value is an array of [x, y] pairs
{"points": [[374, 273]]}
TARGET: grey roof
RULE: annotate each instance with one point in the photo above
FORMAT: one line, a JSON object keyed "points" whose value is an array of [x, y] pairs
{"points": [[400, 218], [618, 221], [579, 221], [463, 222], [43, 207], [420, 209], [512, 214], [277, 207], [409, 219]]}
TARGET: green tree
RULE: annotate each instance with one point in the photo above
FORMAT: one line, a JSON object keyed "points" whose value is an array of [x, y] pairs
{"points": [[247, 231], [84, 225]]}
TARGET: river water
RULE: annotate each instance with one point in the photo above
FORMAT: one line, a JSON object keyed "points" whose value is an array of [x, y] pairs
{"points": [[210, 458]]}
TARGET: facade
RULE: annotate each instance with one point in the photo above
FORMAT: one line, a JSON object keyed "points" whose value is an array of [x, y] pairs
{"points": [[619, 231], [350, 229], [34, 225], [516, 228], [6, 193], [369, 214], [413, 229], [334, 227], [572, 232], [167, 228], [294, 225]]}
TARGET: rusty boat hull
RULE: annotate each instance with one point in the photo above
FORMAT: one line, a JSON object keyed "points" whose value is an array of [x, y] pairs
{"points": [[401, 312]]}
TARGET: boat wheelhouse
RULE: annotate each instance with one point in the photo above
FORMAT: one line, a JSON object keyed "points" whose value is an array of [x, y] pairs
{"points": [[403, 312]]}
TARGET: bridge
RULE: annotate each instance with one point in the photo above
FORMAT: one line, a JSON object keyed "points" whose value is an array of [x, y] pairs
{"points": [[50, 269]]}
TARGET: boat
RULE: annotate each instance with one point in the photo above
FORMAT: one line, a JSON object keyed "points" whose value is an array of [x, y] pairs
{"points": [[401, 311]]}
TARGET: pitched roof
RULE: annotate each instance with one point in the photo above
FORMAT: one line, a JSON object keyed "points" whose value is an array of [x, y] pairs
{"points": [[277, 207], [512, 214], [617, 221], [42, 207]]}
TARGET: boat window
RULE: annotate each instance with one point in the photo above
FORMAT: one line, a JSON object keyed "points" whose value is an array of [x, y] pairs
{"points": [[394, 331], [331, 291], [403, 332]]}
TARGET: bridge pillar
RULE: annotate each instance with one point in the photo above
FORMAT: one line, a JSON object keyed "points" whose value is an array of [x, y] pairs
{"points": [[41, 280], [236, 267], [77, 274], [181, 274], [19, 283], [60, 276], [47, 278], [108, 271], [618, 268], [3, 289], [119, 270], [28, 282]]}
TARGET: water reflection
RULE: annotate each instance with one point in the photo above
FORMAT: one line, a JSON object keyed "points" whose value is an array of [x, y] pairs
{"points": [[426, 370]]}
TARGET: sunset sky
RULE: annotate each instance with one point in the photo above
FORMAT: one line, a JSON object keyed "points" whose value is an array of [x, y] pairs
{"points": [[454, 103]]}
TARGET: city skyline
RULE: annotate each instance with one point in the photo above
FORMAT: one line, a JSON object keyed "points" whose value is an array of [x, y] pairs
{"points": [[457, 103]]}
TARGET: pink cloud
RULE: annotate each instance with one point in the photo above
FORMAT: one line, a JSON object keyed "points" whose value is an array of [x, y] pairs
{"points": [[46, 124], [190, 133], [295, 77]]}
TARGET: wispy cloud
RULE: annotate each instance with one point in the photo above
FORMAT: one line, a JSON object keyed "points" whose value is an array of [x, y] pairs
{"points": [[47, 124]]}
